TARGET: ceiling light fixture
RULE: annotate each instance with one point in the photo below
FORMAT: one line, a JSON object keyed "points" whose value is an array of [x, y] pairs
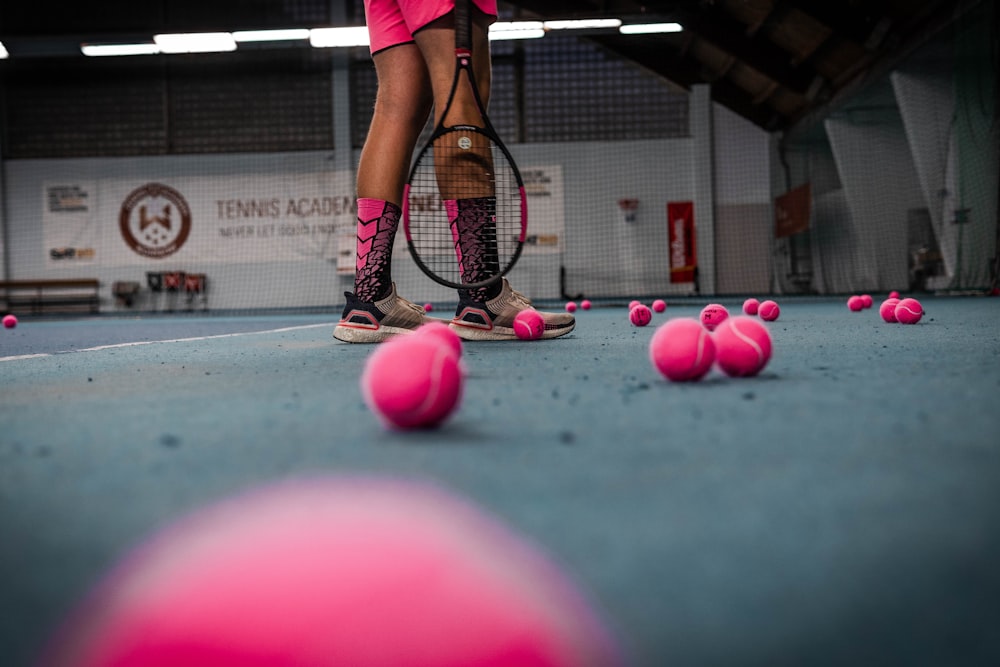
{"points": [[288, 35], [582, 24], [195, 42], [342, 37], [143, 49], [649, 28], [502, 30]]}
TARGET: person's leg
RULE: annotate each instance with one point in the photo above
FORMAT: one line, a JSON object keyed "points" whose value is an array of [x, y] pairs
{"points": [[436, 41], [374, 312], [464, 176], [402, 107]]}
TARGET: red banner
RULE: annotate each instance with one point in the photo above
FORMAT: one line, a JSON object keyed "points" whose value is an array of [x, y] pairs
{"points": [[680, 228]]}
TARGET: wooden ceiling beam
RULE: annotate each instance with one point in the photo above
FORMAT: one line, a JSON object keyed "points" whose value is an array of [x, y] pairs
{"points": [[756, 52], [653, 55]]}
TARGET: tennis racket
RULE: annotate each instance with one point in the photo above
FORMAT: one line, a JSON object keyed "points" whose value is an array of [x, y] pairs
{"points": [[465, 215]]}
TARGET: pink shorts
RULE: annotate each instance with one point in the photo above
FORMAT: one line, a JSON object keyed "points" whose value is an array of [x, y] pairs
{"points": [[393, 22]]}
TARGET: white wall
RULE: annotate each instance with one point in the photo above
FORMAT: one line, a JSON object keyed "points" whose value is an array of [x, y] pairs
{"points": [[725, 158], [744, 219], [595, 175]]}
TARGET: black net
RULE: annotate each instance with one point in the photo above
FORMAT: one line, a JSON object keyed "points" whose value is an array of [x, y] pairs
{"points": [[637, 186]]}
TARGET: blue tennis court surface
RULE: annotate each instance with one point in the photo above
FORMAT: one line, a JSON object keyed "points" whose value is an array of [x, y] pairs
{"points": [[840, 508]]}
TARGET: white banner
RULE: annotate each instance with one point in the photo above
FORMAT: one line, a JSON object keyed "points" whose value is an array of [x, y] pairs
{"points": [[546, 214], [237, 219], [70, 232], [218, 219]]}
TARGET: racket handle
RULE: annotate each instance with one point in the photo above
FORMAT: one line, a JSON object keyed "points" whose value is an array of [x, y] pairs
{"points": [[462, 29]]}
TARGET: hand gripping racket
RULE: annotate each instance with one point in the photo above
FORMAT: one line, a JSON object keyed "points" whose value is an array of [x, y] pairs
{"points": [[464, 209]]}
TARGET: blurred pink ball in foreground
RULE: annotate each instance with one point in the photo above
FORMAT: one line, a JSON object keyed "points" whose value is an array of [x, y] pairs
{"points": [[336, 572]]}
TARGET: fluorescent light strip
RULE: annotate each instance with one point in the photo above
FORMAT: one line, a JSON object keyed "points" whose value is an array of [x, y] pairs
{"points": [[515, 34], [271, 35], [649, 28], [504, 30], [209, 42], [509, 26], [332, 37], [582, 24], [146, 49], [195, 42]]}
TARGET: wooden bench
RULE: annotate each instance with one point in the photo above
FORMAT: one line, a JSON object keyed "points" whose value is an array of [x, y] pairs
{"points": [[50, 295]]}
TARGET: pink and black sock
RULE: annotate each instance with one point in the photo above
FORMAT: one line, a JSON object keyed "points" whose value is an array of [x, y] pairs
{"points": [[377, 223], [474, 230]]}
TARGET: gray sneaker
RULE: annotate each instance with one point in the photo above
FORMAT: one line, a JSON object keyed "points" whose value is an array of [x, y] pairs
{"points": [[494, 320], [373, 322]]}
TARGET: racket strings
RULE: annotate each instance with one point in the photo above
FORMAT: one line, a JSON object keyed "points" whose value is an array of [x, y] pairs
{"points": [[475, 236], [464, 208]]}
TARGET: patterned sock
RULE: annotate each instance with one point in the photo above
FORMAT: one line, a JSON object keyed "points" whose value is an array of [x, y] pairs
{"points": [[473, 227], [377, 223]]}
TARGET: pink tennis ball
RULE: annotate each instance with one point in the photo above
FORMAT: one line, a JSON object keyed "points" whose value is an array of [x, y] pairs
{"points": [[529, 324], [659, 305], [336, 572], [866, 300], [750, 306], [585, 304], [682, 350], [441, 332], [908, 311], [742, 346], [428, 307], [633, 303], [412, 382], [641, 315], [888, 310], [768, 310], [855, 303], [570, 306], [712, 315], [9, 321], [894, 295]]}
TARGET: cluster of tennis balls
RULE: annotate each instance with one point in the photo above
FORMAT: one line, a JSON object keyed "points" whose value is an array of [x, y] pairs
{"points": [[427, 373], [684, 349], [895, 309]]}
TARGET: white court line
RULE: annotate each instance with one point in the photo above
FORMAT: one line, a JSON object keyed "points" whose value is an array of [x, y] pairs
{"points": [[136, 343]]}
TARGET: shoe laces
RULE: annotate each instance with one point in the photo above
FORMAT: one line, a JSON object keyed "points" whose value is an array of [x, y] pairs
{"points": [[412, 306], [519, 299], [520, 296]]}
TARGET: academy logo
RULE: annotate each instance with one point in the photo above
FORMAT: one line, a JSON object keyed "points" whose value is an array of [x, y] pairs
{"points": [[155, 220]]}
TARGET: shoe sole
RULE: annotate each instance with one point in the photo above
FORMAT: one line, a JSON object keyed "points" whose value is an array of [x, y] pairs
{"points": [[466, 332], [348, 334]]}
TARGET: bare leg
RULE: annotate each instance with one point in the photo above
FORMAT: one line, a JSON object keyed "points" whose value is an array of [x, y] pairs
{"points": [[465, 174], [402, 106], [473, 166]]}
